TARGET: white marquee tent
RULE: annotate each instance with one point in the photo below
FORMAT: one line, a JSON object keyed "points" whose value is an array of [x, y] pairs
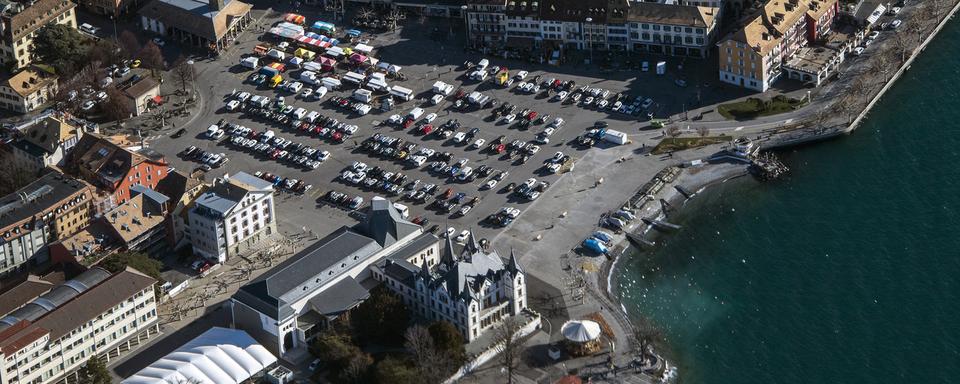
{"points": [[218, 356]]}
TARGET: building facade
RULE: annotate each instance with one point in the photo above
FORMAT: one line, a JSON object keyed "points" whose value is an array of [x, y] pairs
{"points": [[21, 22], [668, 29], [27, 90], [288, 306], [754, 55], [48, 339], [141, 94], [234, 214], [473, 290], [51, 208], [45, 143]]}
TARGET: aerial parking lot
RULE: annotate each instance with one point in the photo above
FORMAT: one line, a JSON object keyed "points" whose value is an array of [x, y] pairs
{"points": [[466, 145]]}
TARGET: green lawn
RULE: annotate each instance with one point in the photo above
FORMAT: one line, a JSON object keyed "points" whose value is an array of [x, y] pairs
{"points": [[754, 107], [672, 144]]}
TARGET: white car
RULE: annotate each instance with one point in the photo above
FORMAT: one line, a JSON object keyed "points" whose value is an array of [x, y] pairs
{"points": [[395, 119], [243, 96], [450, 231], [490, 184], [509, 118], [459, 137], [462, 238], [549, 131], [417, 160], [359, 166], [511, 212], [533, 149], [557, 157], [307, 92], [431, 117], [478, 143], [858, 51], [521, 75], [323, 156], [561, 95], [873, 35], [319, 93], [232, 105], [436, 99], [87, 105], [530, 182], [356, 178], [557, 122]]}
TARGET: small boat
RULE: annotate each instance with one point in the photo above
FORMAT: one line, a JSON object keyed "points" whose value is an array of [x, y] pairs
{"points": [[595, 245], [624, 215], [615, 222]]}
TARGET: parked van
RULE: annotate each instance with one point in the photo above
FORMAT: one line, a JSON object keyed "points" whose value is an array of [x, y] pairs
{"points": [[363, 95], [415, 113], [89, 28], [404, 94], [483, 64], [402, 209], [298, 114], [331, 83]]}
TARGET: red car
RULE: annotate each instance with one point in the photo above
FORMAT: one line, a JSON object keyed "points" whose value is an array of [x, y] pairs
{"points": [[448, 193], [337, 137], [500, 148], [426, 129], [556, 83], [304, 126], [275, 154], [460, 94], [532, 115], [407, 123]]}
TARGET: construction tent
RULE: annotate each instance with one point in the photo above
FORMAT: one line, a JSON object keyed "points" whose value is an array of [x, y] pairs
{"points": [[305, 53], [219, 355], [294, 18], [357, 58]]}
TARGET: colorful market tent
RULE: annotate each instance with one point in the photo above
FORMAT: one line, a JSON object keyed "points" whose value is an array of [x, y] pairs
{"points": [[311, 42], [327, 63], [357, 58], [287, 30], [353, 33], [296, 61], [294, 18], [314, 35], [366, 49], [335, 52], [304, 53], [324, 26]]}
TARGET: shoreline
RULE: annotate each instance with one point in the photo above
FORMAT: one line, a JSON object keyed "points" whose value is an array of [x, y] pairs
{"points": [[776, 142]]}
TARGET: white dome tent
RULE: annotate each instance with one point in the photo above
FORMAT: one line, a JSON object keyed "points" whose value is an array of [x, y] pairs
{"points": [[219, 355], [581, 331]]}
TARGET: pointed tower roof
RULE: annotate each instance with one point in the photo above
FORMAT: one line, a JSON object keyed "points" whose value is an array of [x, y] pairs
{"points": [[472, 243], [514, 265], [448, 256], [425, 269]]}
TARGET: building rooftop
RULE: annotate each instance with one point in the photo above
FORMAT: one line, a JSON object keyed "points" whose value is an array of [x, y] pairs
{"points": [[196, 16], [30, 80], [763, 29], [142, 86], [339, 298], [24, 21], [682, 15], [25, 292], [47, 134], [69, 306], [109, 161], [812, 59], [51, 189], [138, 215]]}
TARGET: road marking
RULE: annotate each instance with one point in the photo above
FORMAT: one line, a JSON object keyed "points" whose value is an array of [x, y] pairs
{"points": [[738, 128]]}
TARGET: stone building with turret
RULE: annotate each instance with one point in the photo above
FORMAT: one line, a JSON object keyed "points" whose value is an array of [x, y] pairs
{"points": [[472, 289]]}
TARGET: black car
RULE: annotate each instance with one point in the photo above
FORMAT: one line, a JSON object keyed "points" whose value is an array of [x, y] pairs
{"points": [[179, 133]]}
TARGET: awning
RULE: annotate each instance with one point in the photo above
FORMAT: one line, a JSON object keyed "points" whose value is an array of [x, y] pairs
{"points": [[157, 99], [341, 297], [324, 26], [520, 42], [353, 32]]}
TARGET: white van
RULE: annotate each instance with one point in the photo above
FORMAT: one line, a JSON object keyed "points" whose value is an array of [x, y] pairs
{"points": [[483, 64], [298, 114], [415, 113], [214, 132], [403, 93], [402, 209], [89, 28], [331, 83], [363, 95]]}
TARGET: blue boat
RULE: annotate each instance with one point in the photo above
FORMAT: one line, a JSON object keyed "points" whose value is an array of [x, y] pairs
{"points": [[603, 236], [595, 245]]}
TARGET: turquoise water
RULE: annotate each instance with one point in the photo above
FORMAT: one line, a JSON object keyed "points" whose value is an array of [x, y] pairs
{"points": [[847, 271]]}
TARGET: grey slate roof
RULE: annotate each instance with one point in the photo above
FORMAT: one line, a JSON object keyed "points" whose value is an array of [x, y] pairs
{"points": [[216, 203], [49, 190], [385, 224], [273, 291], [342, 296], [157, 197], [414, 246]]}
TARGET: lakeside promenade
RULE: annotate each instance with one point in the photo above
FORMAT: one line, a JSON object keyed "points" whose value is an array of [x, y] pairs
{"points": [[550, 234]]}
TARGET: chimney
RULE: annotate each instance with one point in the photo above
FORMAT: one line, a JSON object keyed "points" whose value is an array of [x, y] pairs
{"points": [[216, 5]]}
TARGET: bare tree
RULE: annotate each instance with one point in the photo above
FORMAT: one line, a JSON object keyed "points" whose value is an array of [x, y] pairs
{"points": [[645, 338], [916, 28], [860, 87], [881, 65], [902, 46], [509, 344], [820, 119], [184, 72], [703, 131], [115, 106], [129, 44], [150, 56], [845, 106], [14, 174], [673, 131], [420, 344]]}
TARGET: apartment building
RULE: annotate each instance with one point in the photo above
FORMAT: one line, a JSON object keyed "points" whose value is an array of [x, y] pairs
{"points": [[183, 189], [45, 340], [20, 22], [288, 306], [45, 143], [234, 214], [473, 290], [51, 208], [114, 169], [27, 90], [668, 29], [753, 56]]}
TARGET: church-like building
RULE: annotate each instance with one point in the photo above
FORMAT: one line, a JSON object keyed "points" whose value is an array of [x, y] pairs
{"points": [[473, 289]]}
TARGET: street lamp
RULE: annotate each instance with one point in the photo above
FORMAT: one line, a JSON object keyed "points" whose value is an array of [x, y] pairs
{"points": [[466, 26], [590, 38]]}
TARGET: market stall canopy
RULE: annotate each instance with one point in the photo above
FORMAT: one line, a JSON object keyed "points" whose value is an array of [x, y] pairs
{"points": [[324, 26], [296, 61], [287, 30], [335, 52], [353, 32], [304, 53], [363, 48], [357, 58], [294, 18], [580, 331]]}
